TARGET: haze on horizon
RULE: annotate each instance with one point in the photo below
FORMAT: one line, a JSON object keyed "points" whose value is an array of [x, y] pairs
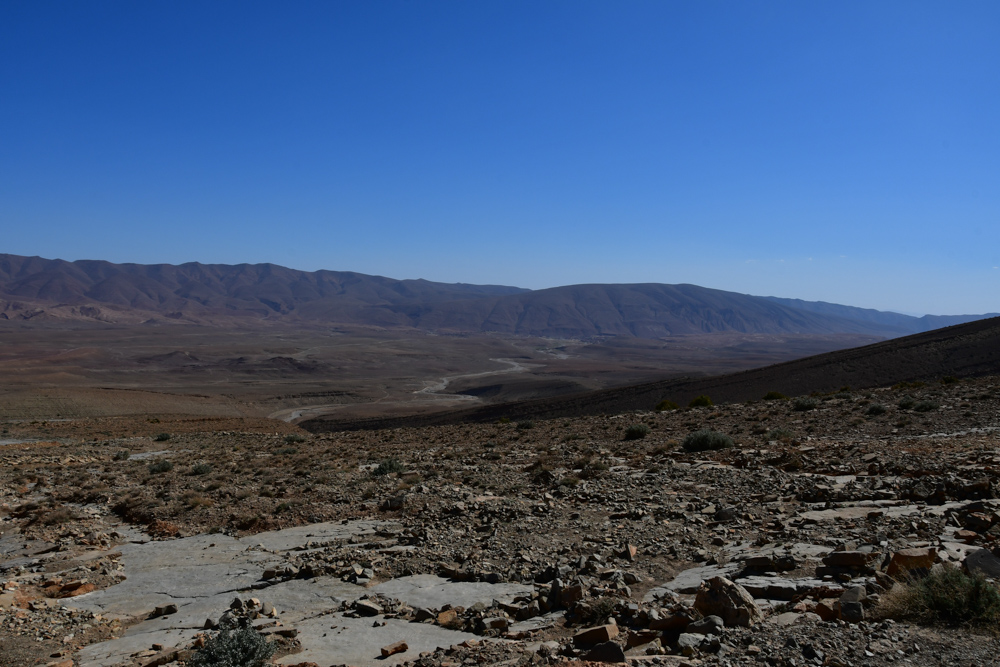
{"points": [[843, 152]]}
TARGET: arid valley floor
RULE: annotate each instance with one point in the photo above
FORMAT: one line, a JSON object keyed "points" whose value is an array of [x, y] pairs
{"points": [[123, 540]]}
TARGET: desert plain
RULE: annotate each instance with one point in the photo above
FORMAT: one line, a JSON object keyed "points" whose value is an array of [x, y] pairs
{"points": [[157, 482]]}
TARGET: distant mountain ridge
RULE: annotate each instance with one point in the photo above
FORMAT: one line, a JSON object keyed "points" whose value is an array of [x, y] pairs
{"points": [[33, 288], [905, 323]]}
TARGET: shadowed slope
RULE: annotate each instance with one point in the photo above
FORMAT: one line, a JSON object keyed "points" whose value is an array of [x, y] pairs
{"points": [[964, 350]]}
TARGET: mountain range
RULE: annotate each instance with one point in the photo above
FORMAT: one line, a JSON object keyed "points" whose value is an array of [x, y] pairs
{"points": [[52, 289]]}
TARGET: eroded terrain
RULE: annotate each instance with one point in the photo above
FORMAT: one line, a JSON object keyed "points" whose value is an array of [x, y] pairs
{"points": [[124, 540], [52, 371]]}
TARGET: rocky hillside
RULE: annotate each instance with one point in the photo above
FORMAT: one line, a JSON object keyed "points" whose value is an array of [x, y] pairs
{"points": [[578, 542]]}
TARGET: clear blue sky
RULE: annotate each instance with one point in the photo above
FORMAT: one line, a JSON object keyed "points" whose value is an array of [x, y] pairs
{"points": [[838, 151]]}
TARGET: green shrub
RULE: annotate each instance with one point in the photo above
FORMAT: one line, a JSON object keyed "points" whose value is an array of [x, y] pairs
{"points": [[160, 466], [596, 612], [925, 406], [525, 425], [906, 403], [782, 434], [387, 467], [875, 410], [286, 451], [774, 396], [704, 440], [636, 432], [201, 469], [702, 401], [665, 405], [946, 595], [121, 455], [160, 437], [294, 437], [240, 647], [804, 404]]}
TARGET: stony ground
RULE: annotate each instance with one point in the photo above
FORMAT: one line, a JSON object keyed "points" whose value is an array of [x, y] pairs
{"points": [[609, 535]]}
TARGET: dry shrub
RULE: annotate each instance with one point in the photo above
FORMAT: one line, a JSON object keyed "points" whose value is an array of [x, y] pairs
{"points": [[947, 595]]}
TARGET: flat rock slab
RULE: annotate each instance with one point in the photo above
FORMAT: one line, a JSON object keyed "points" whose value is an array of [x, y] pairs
{"points": [[292, 538], [799, 551], [335, 640], [432, 592], [178, 572], [201, 575], [779, 588], [688, 581], [118, 650], [538, 622], [852, 512]]}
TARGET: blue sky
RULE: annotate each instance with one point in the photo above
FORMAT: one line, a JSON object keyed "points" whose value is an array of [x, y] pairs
{"points": [[838, 151]]}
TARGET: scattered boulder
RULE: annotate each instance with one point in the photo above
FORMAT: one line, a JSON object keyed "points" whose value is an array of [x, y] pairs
{"points": [[595, 635], [912, 562], [606, 652], [393, 649], [983, 562], [710, 625], [721, 597]]}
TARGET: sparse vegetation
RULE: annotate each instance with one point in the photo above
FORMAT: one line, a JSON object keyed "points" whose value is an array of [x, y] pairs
{"points": [[636, 432], [160, 467], [705, 440], [238, 647], [946, 595], [58, 515], [666, 405], [875, 409], [597, 611], [161, 437], [388, 467], [525, 425], [774, 396], [702, 401], [121, 455], [804, 404], [780, 434], [925, 406], [906, 403], [201, 469], [294, 437]]}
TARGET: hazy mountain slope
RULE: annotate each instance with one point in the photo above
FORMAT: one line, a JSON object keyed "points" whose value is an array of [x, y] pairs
{"points": [[201, 290], [905, 324], [964, 350], [32, 287], [643, 310]]}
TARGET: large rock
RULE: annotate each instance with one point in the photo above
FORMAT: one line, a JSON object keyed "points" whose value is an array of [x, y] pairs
{"points": [[983, 562], [914, 561], [852, 612], [721, 597], [594, 636]]}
